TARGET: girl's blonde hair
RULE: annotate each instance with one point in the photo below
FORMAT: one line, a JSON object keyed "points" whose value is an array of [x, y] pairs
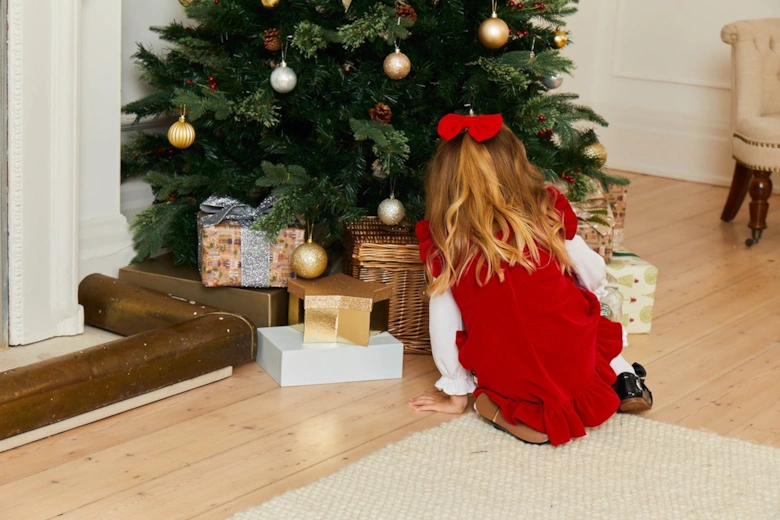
{"points": [[487, 203]]}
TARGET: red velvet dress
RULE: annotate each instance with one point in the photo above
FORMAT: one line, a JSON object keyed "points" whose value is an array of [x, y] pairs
{"points": [[537, 343]]}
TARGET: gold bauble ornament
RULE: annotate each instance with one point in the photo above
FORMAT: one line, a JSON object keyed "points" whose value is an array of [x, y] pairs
{"points": [[560, 39], [596, 151], [181, 134], [186, 3], [494, 32], [270, 4], [397, 65], [391, 211], [309, 260]]}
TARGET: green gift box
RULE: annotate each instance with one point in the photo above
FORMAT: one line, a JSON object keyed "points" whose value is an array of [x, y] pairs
{"points": [[636, 279]]}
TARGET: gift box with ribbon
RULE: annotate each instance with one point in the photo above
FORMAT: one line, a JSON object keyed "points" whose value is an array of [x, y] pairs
{"points": [[234, 255], [595, 222], [617, 197], [636, 280]]}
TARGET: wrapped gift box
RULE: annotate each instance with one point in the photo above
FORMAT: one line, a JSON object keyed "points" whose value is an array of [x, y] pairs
{"points": [[265, 307], [291, 362], [339, 308], [636, 279], [234, 255], [617, 197], [596, 222]]}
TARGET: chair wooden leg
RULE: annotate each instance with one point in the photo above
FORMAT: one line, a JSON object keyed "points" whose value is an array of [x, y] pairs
{"points": [[760, 190], [739, 188]]}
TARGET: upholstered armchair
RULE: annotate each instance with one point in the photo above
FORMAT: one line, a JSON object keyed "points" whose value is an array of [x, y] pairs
{"points": [[755, 116]]}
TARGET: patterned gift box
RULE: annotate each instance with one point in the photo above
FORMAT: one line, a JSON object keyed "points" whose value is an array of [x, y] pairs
{"points": [[616, 196], [596, 222], [233, 255], [636, 280]]}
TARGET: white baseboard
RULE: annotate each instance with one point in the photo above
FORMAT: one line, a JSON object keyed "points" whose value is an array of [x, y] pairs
{"points": [[135, 196], [668, 145], [105, 245]]}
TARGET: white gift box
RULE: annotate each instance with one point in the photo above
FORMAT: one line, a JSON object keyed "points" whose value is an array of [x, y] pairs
{"points": [[283, 355]]}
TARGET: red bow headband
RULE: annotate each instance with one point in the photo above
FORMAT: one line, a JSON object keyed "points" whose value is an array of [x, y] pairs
{"points": [[480, 128]]}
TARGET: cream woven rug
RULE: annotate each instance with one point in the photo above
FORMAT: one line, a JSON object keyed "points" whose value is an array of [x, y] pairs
{"points": [[629, 468]]}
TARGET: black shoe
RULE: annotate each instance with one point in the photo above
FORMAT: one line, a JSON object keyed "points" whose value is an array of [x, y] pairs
{"points": [[634, 395]]}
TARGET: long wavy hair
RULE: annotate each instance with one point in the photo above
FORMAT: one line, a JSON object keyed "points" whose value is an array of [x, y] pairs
{"points": [[487, 203]]}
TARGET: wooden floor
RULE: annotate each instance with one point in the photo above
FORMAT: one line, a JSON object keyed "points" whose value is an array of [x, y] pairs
{"points": [[713, 360]]}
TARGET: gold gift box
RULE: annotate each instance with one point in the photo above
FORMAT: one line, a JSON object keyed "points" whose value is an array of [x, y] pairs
{"points": [[338, 308]]}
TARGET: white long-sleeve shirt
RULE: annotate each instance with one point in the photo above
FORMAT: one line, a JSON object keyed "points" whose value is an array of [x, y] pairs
{"points": [[446, 320]]}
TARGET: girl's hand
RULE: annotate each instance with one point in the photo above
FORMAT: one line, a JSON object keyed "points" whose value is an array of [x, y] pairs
{"points": [[454, 404]]}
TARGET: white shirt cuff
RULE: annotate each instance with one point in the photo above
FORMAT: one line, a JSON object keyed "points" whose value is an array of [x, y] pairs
{"points": [[456, 386]]}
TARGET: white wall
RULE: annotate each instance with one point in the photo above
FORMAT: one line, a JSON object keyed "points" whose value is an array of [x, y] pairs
{"points": [[137, 17], [660, 74]]}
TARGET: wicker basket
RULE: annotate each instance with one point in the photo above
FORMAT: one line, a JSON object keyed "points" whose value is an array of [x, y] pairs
{"points": [[377, 253]]}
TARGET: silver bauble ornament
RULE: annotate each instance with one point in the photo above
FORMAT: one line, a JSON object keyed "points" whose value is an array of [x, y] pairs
{"points": [[493, 33], [397, 65], [391, 211], [553, 81], [309, 260], [283, 79]]}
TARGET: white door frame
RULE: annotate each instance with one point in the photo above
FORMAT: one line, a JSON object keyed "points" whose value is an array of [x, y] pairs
{"points": [[43, 167]]}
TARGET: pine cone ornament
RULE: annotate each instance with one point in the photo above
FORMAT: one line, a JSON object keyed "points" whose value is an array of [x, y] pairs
{"points": [[406, 11], [381, 113], [272, 40]]}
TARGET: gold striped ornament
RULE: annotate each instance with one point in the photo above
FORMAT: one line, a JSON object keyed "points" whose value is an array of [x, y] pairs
{"points": [[181, 134]]}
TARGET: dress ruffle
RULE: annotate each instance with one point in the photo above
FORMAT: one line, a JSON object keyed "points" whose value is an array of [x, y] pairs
{"points": [[589, 408]]}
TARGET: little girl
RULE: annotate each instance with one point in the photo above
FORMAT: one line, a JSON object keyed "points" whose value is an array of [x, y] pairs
{"points": [[512, 294]]}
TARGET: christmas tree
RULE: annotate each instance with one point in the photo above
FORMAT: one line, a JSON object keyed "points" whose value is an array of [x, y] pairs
{"points": [[314, 101]]}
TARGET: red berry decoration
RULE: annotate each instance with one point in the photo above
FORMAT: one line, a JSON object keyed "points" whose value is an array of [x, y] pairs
{"points": [[213, 86], [542, 133], [170, 151], [188, 82], [211, 79], [541, 6], [518, 33], [511, 4], [525, 33], [216, 2], [519, 6], [159, 151], [542, 118]]}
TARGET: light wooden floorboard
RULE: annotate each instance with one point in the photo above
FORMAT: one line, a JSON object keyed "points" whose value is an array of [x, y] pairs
{"points": [[713, 359]]}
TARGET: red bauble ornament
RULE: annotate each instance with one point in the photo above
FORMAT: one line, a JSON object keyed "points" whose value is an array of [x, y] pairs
{"points": [[542, 118]]}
